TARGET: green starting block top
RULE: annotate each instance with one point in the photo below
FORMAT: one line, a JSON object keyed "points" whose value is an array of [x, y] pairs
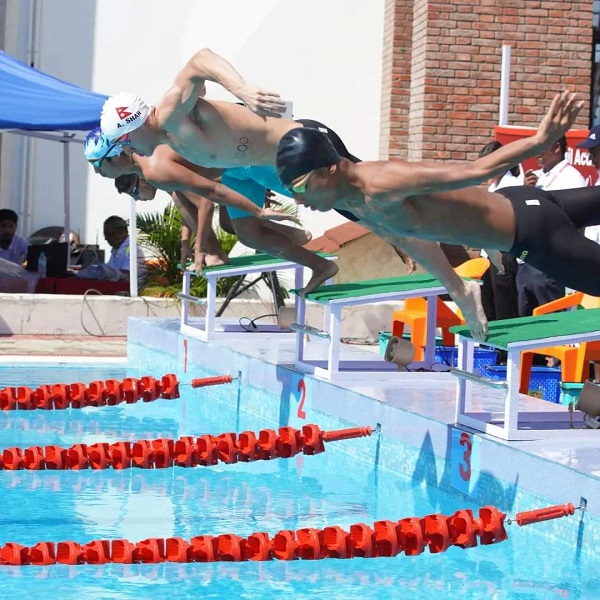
{"points": [[526, 329], [372, 287], [256, 260]]}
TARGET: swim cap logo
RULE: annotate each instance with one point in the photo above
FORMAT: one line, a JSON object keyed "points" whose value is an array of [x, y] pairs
{"points": [[122, 112], [126, 115]]}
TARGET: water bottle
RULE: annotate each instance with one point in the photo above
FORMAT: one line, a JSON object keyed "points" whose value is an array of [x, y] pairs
{"points": [[42, 265]]}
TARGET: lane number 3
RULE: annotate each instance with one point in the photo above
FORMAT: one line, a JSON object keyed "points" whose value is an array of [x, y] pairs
{"points": [[464, 468]]}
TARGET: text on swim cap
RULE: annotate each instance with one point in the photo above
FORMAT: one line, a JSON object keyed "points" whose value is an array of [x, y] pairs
{"points": [[130, 119]]}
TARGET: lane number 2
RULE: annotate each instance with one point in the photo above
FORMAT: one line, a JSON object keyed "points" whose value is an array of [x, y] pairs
{"points": [[302, 389]]}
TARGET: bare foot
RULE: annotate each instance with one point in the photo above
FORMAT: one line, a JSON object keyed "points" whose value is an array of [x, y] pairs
{"points": [[472, 310], [319, 277], [216, 260]]}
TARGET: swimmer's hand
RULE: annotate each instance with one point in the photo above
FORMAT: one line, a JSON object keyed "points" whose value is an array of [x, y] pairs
{"points": [[411, 265], [560, 117], [273, 214], [271, 199], [262, 102]]}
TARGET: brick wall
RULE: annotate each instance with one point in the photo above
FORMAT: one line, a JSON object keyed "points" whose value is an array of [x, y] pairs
{"points": [[395, 94], [441, 70]]}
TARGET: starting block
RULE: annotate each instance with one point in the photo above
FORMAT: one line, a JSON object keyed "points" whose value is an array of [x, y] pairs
{"points": [[211, 326], [515, 336], [335, 297]]}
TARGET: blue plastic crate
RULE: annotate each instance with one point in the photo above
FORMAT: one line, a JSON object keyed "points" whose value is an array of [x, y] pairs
{"points": [[448, 355], [544, 382]]}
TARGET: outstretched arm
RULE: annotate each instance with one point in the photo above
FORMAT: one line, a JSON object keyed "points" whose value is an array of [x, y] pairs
{"points": [[204, 66], [466, 294], [199, 211], [429, 177], [177, 178]]}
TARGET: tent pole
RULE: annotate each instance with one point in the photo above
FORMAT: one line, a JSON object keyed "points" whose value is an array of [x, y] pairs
{"points": [[25, 187], [133, 259], [67, 194]]}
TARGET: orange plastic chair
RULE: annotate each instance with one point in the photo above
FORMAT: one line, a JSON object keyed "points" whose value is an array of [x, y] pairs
{"points": [[414, 312], [574, 361]]}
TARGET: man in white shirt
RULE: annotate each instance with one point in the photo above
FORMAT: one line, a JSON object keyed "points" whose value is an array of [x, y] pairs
{"points": [[592, 145], [116, 233], [12, 247], [534, 287]]}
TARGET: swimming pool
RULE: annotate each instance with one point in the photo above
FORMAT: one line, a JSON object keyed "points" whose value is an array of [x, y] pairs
{"points": [[354, 481]]}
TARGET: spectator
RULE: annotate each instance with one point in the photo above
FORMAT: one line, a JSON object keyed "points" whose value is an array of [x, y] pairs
{"points": [[499, 285], [535, 288], [116, 233], [13, 247], [592, 145], [514, 176]]}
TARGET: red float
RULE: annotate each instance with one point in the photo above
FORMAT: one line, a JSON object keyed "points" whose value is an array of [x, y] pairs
{"points": [[387, 538]]}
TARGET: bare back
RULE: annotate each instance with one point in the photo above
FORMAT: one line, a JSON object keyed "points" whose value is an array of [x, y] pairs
{"points": [[227, 135], [470, 216], [163, 168]]}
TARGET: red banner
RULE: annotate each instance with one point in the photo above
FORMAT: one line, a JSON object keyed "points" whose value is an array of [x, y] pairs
{"points": [[578, 157]]}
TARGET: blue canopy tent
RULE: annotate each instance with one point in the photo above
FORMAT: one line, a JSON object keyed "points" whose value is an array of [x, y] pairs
{"points": [[34, 101], [35, 104]]}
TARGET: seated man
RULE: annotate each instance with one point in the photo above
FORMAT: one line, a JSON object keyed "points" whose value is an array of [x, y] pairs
{"points": [[13, 247], [116, 233], [439, 202]]}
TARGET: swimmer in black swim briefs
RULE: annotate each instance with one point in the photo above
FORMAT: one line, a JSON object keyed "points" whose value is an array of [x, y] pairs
{"points": [[434, 201]]}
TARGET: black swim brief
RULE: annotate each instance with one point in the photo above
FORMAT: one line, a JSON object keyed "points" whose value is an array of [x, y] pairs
{"points": [[547, 233]]}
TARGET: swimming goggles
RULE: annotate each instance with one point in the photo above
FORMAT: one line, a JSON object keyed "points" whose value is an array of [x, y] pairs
{"points": [[98, 162], [300, 186]]}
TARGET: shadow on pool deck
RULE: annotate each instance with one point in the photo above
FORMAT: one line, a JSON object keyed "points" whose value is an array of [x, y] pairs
{"points": [[63, 345]]}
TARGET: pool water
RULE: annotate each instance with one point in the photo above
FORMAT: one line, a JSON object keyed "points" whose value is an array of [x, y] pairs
{"points": [[332, 488]]}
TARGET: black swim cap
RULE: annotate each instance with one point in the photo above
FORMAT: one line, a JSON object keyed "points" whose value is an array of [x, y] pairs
{"points": [[302, 150]]}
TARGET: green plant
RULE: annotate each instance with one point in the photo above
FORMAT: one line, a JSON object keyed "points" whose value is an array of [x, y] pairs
{"points": [[160, 234]]}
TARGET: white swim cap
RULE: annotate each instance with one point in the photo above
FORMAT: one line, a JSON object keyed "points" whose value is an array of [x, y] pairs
{"points": [[97, 146], [123, 113]]}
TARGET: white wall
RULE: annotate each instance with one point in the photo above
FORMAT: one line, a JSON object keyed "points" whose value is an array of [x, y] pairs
{"points": [[325, 56]]}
